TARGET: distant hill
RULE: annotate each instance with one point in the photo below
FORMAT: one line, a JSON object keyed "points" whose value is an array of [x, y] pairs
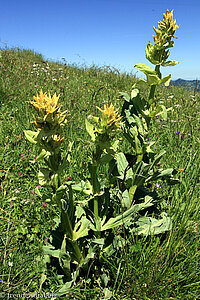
{"points": [[191, 84]]}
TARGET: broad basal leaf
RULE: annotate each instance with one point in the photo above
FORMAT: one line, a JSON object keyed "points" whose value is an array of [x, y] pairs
{"points": [[127, 216], [81, 228], [149, 225]]}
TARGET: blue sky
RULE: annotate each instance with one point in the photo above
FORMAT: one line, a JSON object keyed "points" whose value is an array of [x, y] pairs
{"points": [[102, 32]]}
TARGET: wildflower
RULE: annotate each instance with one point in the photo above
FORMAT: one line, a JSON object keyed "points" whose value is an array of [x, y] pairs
{"points": [[49, 115], [10, 263], [1, 280], [181, 170], [157, 185], [20, 174], [44, 204], [111, 115], [166, 29], [47, 103], [109, 119], [177, 132], [38, 186], [69, 178]]}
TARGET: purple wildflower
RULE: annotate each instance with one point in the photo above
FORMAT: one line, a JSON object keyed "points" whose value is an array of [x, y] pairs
{"points": [[157, 185]]}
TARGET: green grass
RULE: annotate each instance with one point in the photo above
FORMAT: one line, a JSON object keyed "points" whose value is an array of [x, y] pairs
{"points": [[157, 267]]}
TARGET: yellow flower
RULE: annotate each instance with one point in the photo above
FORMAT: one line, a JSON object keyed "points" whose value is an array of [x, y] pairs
{"points": [[110, 117], [46, 103], [166, 29]]}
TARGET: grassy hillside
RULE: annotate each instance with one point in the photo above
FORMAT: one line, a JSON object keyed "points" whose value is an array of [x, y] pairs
{"points": [[156, 267]]}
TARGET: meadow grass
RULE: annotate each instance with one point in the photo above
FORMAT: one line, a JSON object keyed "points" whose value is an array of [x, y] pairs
{"points": [[155, 267]]}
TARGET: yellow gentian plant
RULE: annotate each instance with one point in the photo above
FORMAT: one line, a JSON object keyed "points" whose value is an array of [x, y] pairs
{"points": [[88, 222], [49, 121]]}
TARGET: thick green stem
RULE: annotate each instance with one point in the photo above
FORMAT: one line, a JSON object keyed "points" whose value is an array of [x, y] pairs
{"points": [[153, 87], [94, 179], [65, 219], [95, 189], [95, 184], [69, 233]]}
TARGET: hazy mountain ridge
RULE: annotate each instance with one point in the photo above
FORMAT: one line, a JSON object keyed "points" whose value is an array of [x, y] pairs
{"points": [[191, 84]]}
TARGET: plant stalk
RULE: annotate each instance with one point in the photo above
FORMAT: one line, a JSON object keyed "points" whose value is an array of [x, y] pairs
{"points": [[153, 87]]}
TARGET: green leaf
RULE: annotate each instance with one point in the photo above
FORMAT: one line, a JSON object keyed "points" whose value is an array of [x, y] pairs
{"points": [[84, 187], [165, 173], [162, 112], [65, 288], [125, 96], [43, 176], [50, 250], [65, 259], [170, 63], [43, 154], [127, 216], [81, 228], [90, 129], [132, 191], [166, 80], [152, 79], [125, 201], [108, 294], [149, 225], [134, 93], [151, 54], [31, 136], [145, 69], [122, 163], [138, 148]]}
